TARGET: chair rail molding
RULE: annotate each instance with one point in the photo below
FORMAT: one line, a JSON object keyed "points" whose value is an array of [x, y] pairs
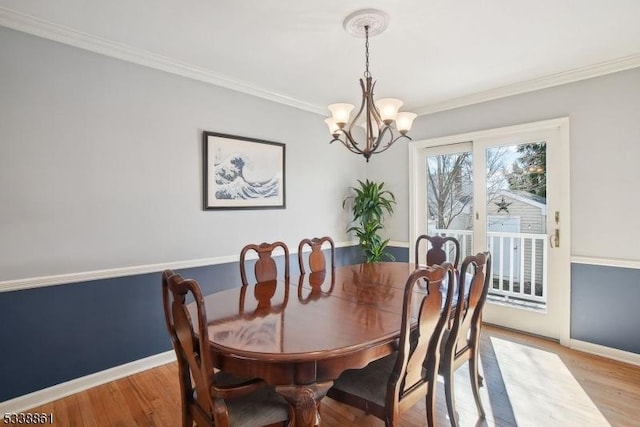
{"points": [[64, 279], [606, 262]]}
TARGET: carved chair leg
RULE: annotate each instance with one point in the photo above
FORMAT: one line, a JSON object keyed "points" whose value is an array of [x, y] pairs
{"points": [[318, 412], [187, 419], [448, 393], [431, 403], [475, 384]]}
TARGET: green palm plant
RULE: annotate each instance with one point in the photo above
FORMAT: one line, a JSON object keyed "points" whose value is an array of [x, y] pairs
{"points": [[369, 204]]}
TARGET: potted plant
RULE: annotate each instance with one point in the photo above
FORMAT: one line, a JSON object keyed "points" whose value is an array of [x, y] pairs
{"points": [[369, 204]]}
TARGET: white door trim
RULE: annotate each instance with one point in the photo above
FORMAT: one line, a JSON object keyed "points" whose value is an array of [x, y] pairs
{"points": [[558, 126]]}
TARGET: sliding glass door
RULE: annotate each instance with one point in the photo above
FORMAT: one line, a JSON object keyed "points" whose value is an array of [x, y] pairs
{"points": [[505, 191], [449, 193]]}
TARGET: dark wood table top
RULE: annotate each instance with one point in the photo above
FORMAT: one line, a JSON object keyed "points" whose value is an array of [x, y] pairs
{"points": [[299, 336]]}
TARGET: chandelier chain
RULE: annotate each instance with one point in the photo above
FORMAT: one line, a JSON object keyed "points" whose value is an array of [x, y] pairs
{"points": [[366, 46]]}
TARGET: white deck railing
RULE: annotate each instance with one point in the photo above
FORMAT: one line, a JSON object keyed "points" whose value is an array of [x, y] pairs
{"points": [[519, 262]]}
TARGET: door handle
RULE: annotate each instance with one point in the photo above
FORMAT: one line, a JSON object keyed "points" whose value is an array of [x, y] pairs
{"points": [[554, 239]]}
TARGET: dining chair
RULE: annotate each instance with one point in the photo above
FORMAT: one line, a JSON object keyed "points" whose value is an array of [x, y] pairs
{"points": [[461, 342], [265, 267], [388, 386], [212, 398], [316, 259], [436, 254]]}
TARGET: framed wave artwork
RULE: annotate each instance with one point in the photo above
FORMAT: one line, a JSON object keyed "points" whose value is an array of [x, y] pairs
{"points": [[243, 173]]}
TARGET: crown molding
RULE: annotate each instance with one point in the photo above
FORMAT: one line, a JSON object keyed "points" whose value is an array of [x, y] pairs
{"points": [[42, 28], [48, 30], [557, 79]]}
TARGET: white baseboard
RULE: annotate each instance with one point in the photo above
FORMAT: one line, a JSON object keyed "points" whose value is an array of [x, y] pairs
{"points": [[611, 353], [58, 391]]}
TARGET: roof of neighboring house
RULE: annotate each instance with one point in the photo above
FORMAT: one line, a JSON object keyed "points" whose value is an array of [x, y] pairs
{"points": [[525, 197]]}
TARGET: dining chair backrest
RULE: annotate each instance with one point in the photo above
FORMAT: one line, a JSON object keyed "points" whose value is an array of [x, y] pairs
{"points": [[473, 287], [388, 386], [192, 362], [265, 267], [203, 392], [461, 342], [436, 254], [419, 348], [316, 259]]}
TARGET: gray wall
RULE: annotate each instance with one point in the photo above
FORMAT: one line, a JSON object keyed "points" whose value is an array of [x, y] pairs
{"points": [[100, 167], [604, 117], [100, 164]]}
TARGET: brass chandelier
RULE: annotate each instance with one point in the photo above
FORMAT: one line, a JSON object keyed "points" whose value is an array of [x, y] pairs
{"points": [[378, 118]]}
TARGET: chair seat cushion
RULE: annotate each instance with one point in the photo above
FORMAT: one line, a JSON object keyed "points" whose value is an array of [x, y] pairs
{"points": [[260, 407], [370, 382]]}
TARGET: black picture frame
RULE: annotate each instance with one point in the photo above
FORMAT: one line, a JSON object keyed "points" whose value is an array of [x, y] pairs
{"points": [[242, 173]]}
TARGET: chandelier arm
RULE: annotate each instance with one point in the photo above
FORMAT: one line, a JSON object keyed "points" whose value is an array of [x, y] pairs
{"points": [[355, 118], [352, 145], [354, 149], [381, 135], [369, 124], [386, 147], [374, 110], [373, 116]]}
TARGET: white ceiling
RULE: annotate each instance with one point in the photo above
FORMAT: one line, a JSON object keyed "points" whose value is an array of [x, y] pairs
{"points": [[435, 54]]}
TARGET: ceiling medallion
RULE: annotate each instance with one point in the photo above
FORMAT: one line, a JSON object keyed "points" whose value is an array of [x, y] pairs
{"points": [[378, 118]]}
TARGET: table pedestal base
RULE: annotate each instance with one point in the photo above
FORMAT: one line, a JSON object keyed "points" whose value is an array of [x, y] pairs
{"points": [[305, 399]]}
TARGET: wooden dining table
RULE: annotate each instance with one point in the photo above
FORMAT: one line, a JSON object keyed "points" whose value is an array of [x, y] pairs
{"points": [[300, 335]]}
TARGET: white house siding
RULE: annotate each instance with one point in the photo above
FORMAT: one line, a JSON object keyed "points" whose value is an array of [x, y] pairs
{"points": [[532, 221]]}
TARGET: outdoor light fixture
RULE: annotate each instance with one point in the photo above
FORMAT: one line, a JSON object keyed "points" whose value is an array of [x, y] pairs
{"points": [[378, 118]]}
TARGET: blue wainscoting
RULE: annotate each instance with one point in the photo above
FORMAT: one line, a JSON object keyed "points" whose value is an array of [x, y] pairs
{"points": [[605, 306], [400, 254], [54, 334]]}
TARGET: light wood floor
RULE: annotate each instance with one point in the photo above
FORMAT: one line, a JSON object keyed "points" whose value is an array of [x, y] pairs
{"points": [[528, 382]]}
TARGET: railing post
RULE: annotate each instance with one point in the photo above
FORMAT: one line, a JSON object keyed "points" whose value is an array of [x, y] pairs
{"points": [[525, 241]]}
